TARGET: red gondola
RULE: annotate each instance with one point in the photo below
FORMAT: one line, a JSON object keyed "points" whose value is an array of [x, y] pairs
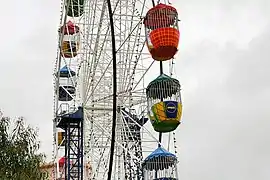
{"points": [[71, 40]]}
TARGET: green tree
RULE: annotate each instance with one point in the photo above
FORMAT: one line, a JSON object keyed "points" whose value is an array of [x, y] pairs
{"points": [[19, 157]]}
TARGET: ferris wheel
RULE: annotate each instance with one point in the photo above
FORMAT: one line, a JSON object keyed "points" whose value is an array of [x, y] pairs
{"points": [[112, 83]]}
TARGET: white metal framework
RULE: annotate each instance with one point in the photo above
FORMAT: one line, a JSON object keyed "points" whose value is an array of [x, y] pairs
{"points": [[93, 82]]}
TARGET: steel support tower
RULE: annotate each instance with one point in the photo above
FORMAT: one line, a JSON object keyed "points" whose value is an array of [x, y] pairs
{"points": [[72, 124]]}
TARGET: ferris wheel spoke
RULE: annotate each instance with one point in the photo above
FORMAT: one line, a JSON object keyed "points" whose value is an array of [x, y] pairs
{"points": [[142, 77], [134, 121], [107, 136], [104, 72], [92, 72], [100, 79]]}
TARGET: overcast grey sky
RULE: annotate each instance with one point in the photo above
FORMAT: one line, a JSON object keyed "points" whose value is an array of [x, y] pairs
{"points": [[223, 65]]}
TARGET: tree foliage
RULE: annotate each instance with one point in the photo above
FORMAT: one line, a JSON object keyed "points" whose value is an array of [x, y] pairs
{"points": [[19, 157]]}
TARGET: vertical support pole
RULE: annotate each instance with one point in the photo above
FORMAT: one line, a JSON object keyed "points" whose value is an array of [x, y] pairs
{"points": [[81, 147], [68, 150], [65, 169]]}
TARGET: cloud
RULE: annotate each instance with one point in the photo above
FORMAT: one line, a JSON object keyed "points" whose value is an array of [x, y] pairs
{"points": [[225, 130], [28, 51]]}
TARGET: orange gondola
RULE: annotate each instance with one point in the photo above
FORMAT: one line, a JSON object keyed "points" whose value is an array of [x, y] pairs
{"points": [[161, 24]]}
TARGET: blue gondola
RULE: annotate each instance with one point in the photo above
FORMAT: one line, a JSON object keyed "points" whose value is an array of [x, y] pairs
{"points": [[66, 87], [160, 165]]}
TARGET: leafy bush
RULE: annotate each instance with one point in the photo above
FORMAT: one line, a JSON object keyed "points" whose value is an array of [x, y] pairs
{"points": [[19, 157]]}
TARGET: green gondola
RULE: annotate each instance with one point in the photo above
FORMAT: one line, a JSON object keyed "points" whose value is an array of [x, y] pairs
{"points": [[76, 8], [164, 103]]}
